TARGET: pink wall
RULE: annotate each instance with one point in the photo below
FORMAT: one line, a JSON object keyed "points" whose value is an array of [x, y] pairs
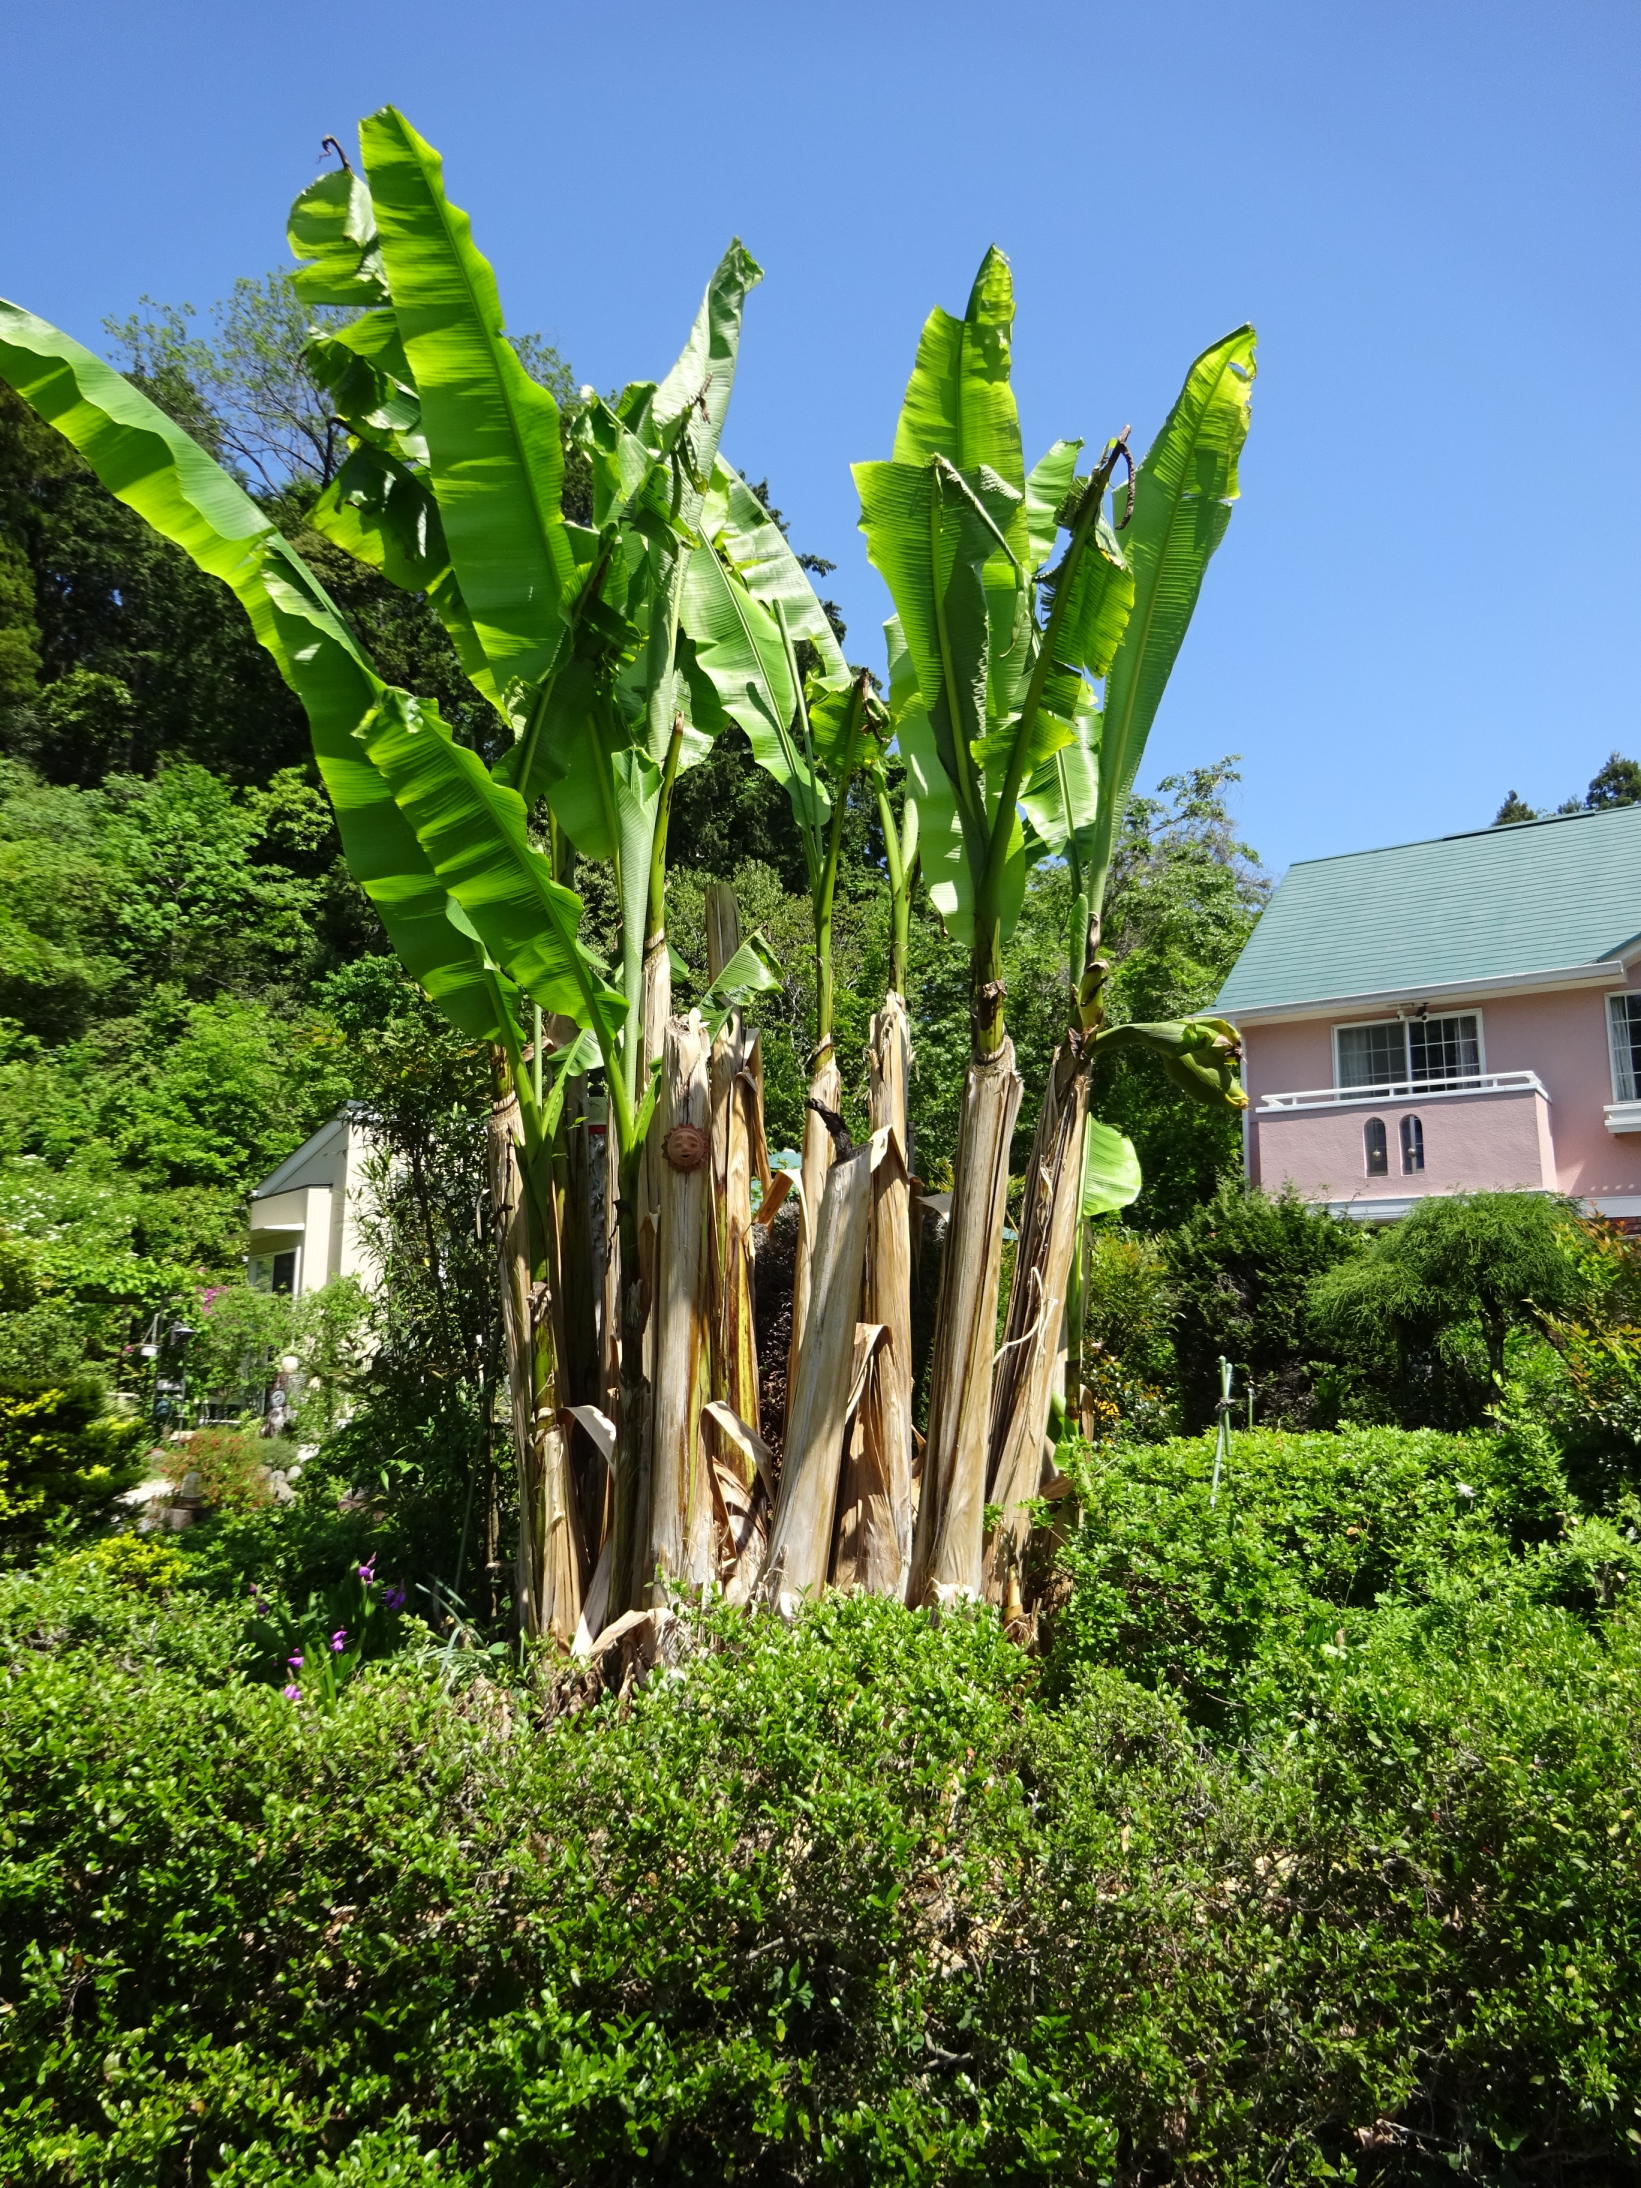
{"points": [[1560, 1034], [1472, 1143]]}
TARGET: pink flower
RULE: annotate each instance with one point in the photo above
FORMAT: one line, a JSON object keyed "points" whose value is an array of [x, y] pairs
{"points": [[291, 1694], [339, 1640]]}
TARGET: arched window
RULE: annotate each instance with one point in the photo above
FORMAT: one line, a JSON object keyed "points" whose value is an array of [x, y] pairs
{"points": [[1374, 1147], [1412, 1146]]}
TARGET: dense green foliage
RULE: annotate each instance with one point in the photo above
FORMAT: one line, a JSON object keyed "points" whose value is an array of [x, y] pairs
{"points": [[1310, 1844], [1616, 782], [1241, 1267]]}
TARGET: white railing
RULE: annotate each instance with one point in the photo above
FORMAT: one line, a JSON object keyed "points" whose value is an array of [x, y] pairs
{"points": [[1403, 1090]]}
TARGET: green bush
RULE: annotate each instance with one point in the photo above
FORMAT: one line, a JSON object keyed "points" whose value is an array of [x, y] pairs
{"points": [[229, 1467], [1241, 1267], [63, 1456], [1128, 1350], [851, 1901], [1308, 1534]]}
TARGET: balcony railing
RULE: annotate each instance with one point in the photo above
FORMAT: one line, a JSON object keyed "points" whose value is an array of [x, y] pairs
{"points": [[1405, 1090]]}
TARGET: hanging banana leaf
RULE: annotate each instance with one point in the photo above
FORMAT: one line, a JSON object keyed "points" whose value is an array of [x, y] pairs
{"points": [[332, 229]]}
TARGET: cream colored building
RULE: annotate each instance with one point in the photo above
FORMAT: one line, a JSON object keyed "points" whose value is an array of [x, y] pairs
{"points": [[305, 1216]]}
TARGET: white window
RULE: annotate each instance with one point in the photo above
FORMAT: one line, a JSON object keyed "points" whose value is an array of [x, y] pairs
{"points": [[1412, 1146], [1375, 1155], [1410, 1051], [1624, 1021]]}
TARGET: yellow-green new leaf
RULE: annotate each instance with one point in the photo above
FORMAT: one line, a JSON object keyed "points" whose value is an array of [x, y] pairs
{"points": [[1111, 1170], [332, 229]]}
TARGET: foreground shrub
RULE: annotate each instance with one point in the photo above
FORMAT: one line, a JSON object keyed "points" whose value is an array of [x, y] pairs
{"points": [[63, 1456], [844, 1903]]}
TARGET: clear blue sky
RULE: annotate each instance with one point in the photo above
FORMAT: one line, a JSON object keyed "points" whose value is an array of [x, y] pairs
{"points": [[1430, 591]]}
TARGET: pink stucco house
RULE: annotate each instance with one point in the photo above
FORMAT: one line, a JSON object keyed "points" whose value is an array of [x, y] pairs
{"points": [[1450, 1016]]}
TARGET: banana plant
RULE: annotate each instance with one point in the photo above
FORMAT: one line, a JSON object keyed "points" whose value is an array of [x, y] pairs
{"points": [[453, 488], [765, 656], [1034, 630]]}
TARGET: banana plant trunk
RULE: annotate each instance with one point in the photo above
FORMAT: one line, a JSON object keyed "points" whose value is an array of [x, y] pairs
{"points": [[875, 1523], [1029, 1364], [681, 1550], [550, 1561], [825, 1092], [818, 1404], [738, 1154], [949, 1542]]}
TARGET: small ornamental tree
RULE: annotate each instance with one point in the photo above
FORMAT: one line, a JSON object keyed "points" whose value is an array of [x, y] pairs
{"points": [[1037, 617]]}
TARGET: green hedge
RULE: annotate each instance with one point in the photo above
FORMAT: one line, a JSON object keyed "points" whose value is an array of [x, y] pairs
{"points": [[867, 1899]]}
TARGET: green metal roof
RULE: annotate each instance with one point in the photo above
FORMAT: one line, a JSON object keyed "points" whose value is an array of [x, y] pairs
{"points": [[1498, 903]]}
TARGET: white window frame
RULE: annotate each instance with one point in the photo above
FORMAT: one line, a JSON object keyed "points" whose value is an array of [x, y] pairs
{"points": [[1404, 1019], [1621, 1092]]}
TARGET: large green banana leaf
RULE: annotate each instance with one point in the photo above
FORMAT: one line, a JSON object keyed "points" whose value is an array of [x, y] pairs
{"points": [[959, 404], [747, 603], [931, 532], [1182, 505], [495, 455], [703, 375], [474, 832], [151, 464]]}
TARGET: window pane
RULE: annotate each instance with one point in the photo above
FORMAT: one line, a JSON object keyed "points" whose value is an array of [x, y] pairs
{"points": [[1373, 1055], [1373, 1147], [1626, 1025], [1412, 1146], [284, 1273], [1444, 1049]]}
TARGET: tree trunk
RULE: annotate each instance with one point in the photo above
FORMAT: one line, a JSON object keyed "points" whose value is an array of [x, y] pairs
{"points": [[875, 1522], [948, 1544], [1028, 1367]]}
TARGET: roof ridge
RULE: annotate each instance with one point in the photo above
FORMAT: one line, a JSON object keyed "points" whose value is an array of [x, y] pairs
{"points": [[1460, 835]]}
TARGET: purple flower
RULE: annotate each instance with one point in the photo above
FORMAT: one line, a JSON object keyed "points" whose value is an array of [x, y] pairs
{"points": [[291, 1694], [367, 1572], [339, 1640], [295, 1662], [395, 1599]]}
